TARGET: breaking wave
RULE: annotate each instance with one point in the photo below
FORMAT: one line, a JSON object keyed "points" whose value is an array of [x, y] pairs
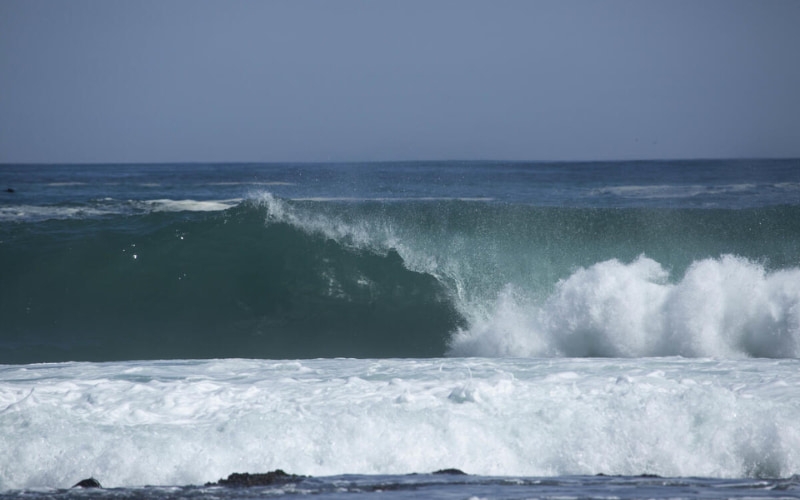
{"points": [[276, 278]]}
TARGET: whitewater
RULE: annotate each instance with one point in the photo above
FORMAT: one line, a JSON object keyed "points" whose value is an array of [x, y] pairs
{"points": [[600, 330], [190, 422]]}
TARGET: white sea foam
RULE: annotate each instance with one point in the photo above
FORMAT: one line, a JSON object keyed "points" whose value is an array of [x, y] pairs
{"points": [[250, 183], [672, 190], [788, 186], [188, 422], [33, 213], [46, 212], [167, 205], [391, 199], [725, 307]]}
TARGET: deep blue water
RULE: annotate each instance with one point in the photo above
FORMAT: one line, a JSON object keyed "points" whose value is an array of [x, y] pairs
{"points": [[698, 183]]}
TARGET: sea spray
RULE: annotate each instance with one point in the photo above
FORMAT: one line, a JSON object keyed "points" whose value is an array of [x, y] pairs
{"points": [[726, 307]]}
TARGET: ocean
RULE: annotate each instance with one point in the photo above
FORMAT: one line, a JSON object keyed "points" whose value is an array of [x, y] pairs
{"points": [[553, 330]]}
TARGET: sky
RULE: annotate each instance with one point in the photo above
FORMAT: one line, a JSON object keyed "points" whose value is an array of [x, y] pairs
{"points": [[117, 81]]}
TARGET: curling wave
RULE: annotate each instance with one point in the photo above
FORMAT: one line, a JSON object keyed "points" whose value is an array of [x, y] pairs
{"points": [[276, 278], [498, 276]]}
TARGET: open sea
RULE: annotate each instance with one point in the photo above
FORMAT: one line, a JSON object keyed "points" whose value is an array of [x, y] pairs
{"points": [[611, 330]]}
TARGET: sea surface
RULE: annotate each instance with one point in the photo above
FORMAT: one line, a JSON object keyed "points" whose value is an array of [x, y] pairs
{"points": [[554, 330]]}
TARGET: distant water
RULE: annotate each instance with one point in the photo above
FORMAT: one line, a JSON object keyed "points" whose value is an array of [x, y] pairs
{"points": [[523, 322]]}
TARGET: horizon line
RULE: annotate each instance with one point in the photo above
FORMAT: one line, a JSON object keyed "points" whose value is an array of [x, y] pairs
{"points": [[365, 162]]}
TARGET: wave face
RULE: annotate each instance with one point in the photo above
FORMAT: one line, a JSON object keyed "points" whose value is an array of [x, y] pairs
{"points": [[276, 278], [198, 286]]}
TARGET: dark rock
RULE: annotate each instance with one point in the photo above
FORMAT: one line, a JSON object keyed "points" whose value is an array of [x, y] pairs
{"points": [[246, 480], [451, 472], [10, 190], [646, 475], [88, 483]]}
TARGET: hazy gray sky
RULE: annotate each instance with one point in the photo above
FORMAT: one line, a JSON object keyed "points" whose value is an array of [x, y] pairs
{"points": [[298, 80]]}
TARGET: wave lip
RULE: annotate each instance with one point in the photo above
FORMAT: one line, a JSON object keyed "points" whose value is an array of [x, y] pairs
{"points": [[727, 307]]}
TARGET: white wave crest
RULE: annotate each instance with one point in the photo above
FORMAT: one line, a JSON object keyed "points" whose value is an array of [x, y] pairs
{"points": [[672, 191], [109, 206], [357, 234], [166, 205], [725, 307], [32, 213]]}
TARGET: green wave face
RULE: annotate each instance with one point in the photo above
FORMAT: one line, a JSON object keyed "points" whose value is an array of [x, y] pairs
{"points": [[171, 286]]}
